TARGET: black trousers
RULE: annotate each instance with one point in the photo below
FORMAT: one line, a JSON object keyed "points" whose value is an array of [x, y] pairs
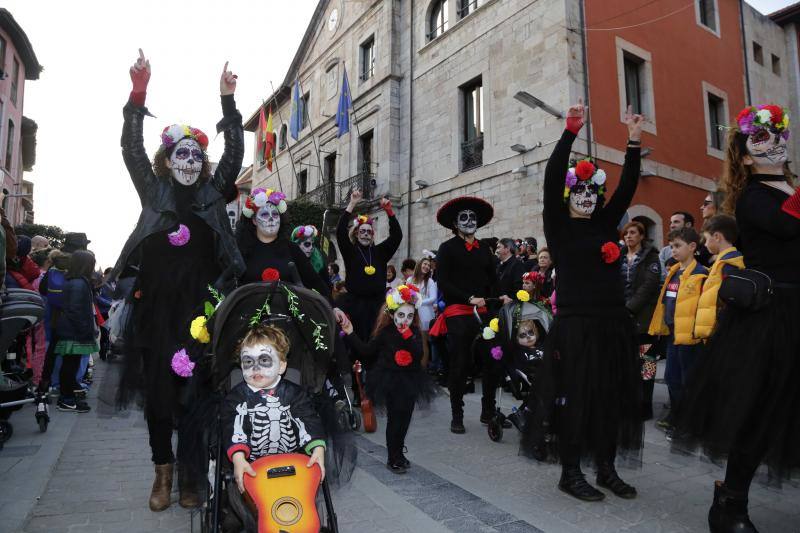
{"points": [[160, 430], [398, 418], [461, 332], [69, 368]]}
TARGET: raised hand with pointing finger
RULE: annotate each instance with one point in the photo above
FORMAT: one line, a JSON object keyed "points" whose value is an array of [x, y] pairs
{"points": [[227, 81]]}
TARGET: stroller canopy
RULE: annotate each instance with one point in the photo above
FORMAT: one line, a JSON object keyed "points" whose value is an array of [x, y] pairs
{"points": [[527, 311], [304, 316]]}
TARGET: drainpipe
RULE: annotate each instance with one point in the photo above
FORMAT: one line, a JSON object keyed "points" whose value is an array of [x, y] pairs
{"points": [[410, 126], [744, 50], [585, 77]]}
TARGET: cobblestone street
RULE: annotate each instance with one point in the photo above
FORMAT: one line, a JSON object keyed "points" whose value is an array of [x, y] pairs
{"points": [[91, 474]]}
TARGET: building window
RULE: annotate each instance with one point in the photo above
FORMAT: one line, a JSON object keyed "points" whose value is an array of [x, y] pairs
{"points": [[758, 53], [14, 81], [472, 117], [2, 57], [465, 7], [282, 138], [707, 16], [716, 120], [304, 111], [438, 23], [330, 167], [10, 145], [633, 67], [367, 59], [302, 182], [776, 65], [635, 83], [365, 153]]}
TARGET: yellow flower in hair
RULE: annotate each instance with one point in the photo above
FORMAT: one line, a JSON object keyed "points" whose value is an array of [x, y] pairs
{"points": [[523, 296], [495, 324], [785, 123], [187, 132], [369, 270], [199, 330], [390, 303]]}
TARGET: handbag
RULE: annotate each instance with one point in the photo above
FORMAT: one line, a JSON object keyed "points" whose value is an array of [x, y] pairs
{"points": [[746, 289]]}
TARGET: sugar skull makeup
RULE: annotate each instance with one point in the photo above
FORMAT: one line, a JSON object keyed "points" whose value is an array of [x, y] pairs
{"points": [[467, 222], [268, 220], [365, 234], [583, 198], [404, 316], [307, 245], [767, 149], [186, 161], [527, 335], [261, 365]]}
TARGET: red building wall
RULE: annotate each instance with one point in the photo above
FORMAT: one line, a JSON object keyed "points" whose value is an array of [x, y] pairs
{"points": [[684, 55]]}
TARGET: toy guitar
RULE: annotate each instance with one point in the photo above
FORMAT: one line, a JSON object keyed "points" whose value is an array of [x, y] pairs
{"points": [[284, 492], [367, 412]]}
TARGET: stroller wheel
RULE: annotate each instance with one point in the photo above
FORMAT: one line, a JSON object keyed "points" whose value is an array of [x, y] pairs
{"points": [[6, 430], [495, 429], [42, 420], [355, 420]]}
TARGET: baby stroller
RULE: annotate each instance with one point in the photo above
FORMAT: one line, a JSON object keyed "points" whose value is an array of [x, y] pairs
{"points": [[20, 310], [519, 367], [307, 320]]}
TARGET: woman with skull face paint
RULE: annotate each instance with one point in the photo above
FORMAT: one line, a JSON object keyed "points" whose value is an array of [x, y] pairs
{"points": [[591, 367], [398, 381], [182, 243], [261, 235], [365, 262], [305, 237], [743, 401]]}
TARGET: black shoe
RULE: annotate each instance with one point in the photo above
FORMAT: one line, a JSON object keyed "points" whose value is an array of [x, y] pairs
{"points": [[71, 406], [457, 427], [402, 459], [728, 513], [573, 483], [80, 394], [608, 478], [396, 467], [470, 387]]}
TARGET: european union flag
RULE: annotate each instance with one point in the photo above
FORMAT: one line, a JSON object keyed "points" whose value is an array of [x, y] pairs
{"points": [[296, 117], [345, 104]]}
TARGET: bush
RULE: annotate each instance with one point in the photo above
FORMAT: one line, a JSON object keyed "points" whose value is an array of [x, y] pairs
{"points": [[54, 233]]}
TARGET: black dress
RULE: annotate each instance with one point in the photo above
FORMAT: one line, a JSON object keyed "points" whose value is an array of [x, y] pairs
{"points": [[591, 367], [743, 397], [278, 254]]}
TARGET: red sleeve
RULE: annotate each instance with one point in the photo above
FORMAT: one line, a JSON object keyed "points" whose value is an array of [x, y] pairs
{"points": [[238, 448], [30, 269]]}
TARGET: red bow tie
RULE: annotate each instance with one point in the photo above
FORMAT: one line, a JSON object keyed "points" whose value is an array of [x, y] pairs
{"points": [[406, 332], [470, 245]]}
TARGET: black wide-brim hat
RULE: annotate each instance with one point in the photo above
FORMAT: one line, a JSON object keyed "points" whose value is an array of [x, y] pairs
{"points": [[448, 213]]}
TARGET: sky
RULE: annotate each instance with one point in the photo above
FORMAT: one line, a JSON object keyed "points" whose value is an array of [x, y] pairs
{"points": [[86, 48]]}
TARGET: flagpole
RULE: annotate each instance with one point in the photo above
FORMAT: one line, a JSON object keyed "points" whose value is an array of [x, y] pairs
{"points": [[275, 159], [311, 127], [288, 147]]}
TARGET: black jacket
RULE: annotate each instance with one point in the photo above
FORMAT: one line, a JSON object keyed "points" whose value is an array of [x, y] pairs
{"points": [[356, 257], [642, 287], [76, 321], [158, 197]]}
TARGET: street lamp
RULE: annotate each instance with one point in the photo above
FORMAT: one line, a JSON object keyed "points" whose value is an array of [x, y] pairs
{"points": [[531, 101]]}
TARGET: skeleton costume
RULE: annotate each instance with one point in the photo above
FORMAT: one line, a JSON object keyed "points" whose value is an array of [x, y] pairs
{"points": [[590, 374], [397, 381], [743, 401], [465, 270]]}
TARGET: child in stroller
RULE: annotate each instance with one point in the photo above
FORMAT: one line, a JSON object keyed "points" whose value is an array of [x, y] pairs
{"points": [[522, 328]]}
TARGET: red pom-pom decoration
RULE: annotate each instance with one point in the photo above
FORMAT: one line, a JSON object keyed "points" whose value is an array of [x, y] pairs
{"points": [[270, 274], [405, 293], [202, 138], [776, 113], [403, 357], [610, 252], [584, 170]]}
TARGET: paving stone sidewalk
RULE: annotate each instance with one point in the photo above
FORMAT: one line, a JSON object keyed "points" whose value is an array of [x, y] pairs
{"points": [[464, 483]]}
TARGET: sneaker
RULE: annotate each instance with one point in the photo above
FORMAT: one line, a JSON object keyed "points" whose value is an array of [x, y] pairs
{"points": [[80, 394], [402, 459], [72, 406], [396, 467]]}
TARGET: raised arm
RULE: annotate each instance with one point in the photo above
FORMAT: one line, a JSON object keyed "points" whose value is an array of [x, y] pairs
{"points": [[388, 247], [619, 202], [133, 152], [342, 236], [555, 210], [230, 164]]}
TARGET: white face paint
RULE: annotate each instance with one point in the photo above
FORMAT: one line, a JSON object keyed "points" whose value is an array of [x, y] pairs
{"points": [[583, 199], [186, 162], [467, 222], [767, 149], [404, 316], [307, 245], [268, 220], [261, 365], [365, 234], [526, 336]]}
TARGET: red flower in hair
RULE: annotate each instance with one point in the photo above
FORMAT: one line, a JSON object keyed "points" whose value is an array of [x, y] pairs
{"points": [[776, 113], [201, 138], [405, 293], [270, 274], [249, 204], [403, 357], [584, 170], [412, 287], [610, 252], [744, 113]]}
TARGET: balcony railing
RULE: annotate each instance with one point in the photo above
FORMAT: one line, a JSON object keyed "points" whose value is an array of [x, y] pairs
{"points": [[363, 180], [324, 195], [472, 153]]}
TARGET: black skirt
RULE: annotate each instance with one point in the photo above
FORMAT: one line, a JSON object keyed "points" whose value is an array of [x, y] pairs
{"points": [[589, 390], [411, 386], [743, 393]]}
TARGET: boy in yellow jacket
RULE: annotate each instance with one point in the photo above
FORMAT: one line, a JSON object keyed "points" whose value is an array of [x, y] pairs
{"points": [[719, 233], [675, 314]]}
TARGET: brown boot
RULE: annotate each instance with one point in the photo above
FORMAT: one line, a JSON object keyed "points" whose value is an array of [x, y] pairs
{"points": [[187, 487], [162, 486]]}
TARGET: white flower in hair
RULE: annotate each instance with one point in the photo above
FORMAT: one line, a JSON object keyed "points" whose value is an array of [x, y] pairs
{"points": [[764, 116], [260, 199], [246, 211], [282, 207], [599, 177]]}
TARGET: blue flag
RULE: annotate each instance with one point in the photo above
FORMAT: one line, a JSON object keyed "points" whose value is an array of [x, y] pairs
{"points": [[345, 104], [296, 116]]}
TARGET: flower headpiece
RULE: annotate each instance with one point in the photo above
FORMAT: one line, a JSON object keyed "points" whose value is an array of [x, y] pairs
{"points": [[403, 294], [173, 134], [304, 232], [364, 219], [535, 277], [771, 117], [259, 197], [585, 170]]}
